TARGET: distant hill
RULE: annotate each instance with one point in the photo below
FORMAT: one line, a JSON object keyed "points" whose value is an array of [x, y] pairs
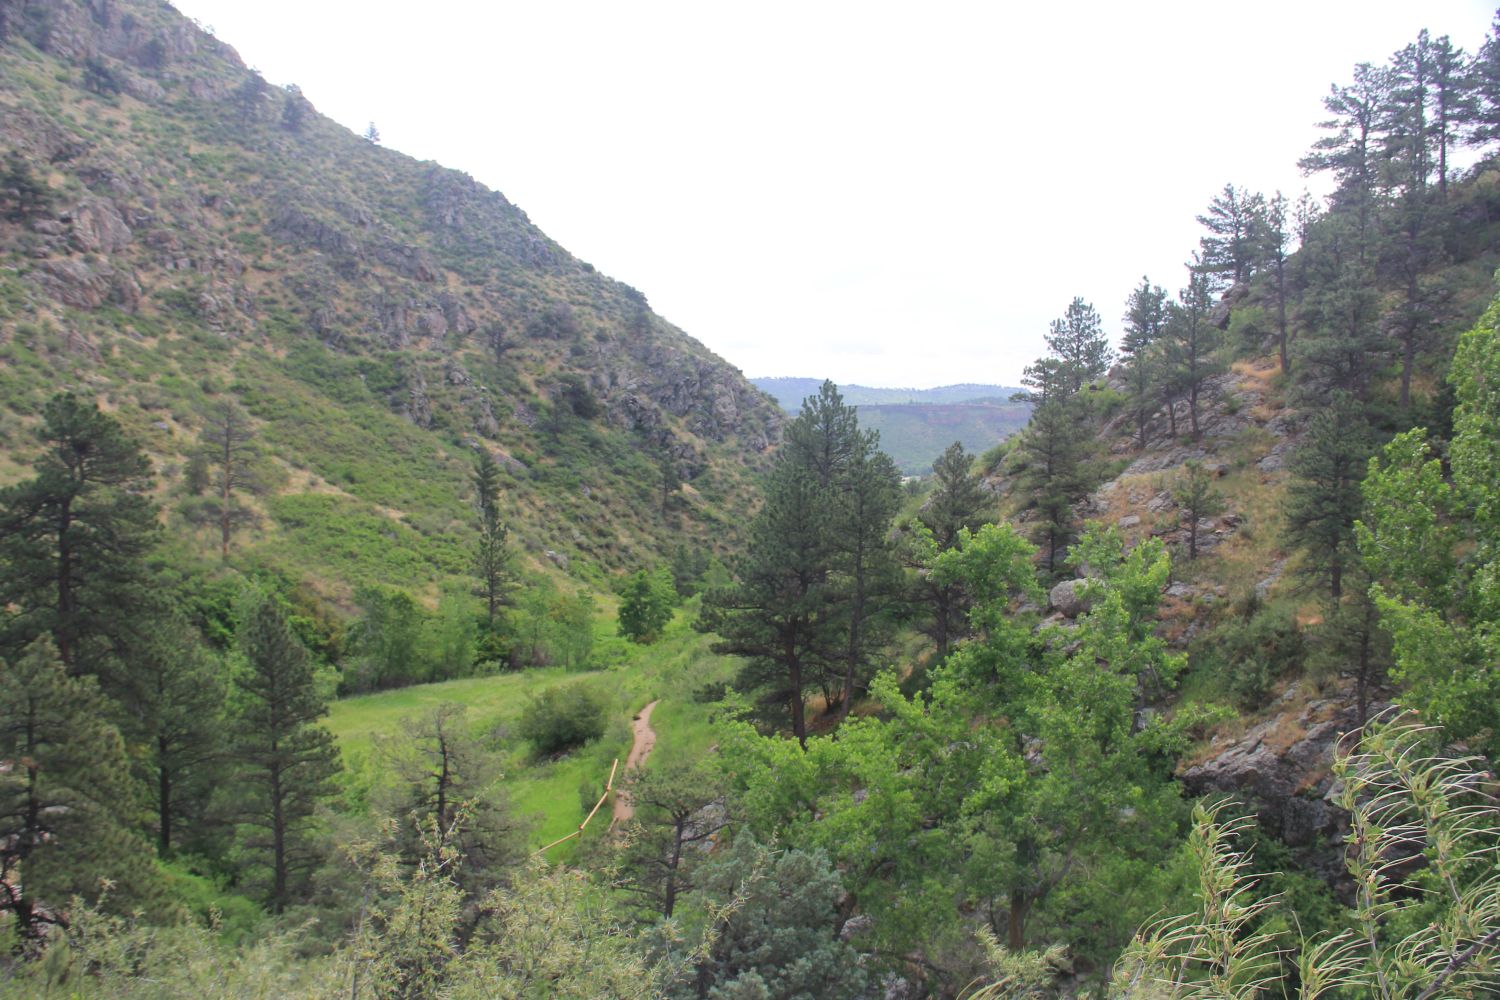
{"points": [[916, 425], [790, 392]]}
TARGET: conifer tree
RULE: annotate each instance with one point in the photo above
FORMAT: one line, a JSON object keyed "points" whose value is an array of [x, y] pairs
{"points": [[1352, 147], [448, 796], [286, 760], [1053, 478], [178, 710], [1145, 322], [866, 574], [229, 446], [66, 799], [1275, 237], [494, 562], [1323, 498], [1191, 341], [1078, 343], [958, 501], [1233, 223], [73, 542], [1196, 499]]}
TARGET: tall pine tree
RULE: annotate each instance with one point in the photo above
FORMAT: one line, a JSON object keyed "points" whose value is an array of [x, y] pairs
{"points": [[286, 760]]}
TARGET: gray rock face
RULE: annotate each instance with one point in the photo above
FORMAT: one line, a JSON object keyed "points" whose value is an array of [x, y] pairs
{"points": [[1280, 767], [98, 228], [1068, 598]]}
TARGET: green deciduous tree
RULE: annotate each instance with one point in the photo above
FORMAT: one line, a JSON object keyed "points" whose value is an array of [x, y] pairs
{"points": [[286, 760], [646, 604], [1433, 547]]}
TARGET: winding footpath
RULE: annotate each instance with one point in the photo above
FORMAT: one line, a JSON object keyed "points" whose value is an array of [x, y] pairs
{"points": [[640, 748]]}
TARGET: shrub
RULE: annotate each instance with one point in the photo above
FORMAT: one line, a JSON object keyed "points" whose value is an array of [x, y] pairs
{"points": [[563, 717]]}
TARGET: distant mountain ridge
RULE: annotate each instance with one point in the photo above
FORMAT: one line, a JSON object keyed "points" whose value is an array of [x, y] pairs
{"points": [[789, 392], [917, 425]]}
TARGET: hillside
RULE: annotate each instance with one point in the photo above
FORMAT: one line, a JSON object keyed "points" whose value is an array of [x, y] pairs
{"points": [[916, 425], [179, 233]]}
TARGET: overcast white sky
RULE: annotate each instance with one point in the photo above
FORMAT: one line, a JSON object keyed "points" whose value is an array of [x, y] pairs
{"points": [[878, 193]]}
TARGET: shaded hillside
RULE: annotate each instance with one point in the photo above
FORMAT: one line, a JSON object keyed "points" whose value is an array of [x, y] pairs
{"points": [[177, 232], [915, 434], [916, 425]]}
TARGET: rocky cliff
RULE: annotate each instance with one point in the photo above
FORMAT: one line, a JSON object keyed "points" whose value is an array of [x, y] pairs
{"points": [[177, 229]]}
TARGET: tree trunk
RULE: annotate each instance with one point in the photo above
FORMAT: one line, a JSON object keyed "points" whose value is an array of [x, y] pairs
{"points": [[1281, 331], [799, 721], [1015, 922], [164, 798]]}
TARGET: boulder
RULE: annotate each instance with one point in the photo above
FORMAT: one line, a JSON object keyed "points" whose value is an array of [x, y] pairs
{"points": [[1068, 598]]}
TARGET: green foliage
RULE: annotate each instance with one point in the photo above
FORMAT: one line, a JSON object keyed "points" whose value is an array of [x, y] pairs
{"points": [[1440, 610], [386, 642], [563, 717], [1323, 499], [285, 759], [66, 801], [1418, 931], [779, 937], [1196, 499], [74, 541], [646, 604]]}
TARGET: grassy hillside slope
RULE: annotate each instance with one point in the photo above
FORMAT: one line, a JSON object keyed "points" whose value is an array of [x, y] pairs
{"points": [[176, 233]]}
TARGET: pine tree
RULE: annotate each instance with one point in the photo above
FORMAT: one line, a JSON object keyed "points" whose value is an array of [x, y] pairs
{"points": [[178, 712], [1233, 222], [1191, 341], [1275, 238], [1196, 499], [1055, 451], [958, 501], [1145, 322], [1077, 341], [1323, 498], [448, 796], [229, 446], [672, 828], [73, 544], [866, 578], [494, 562], [66, 799], [287, 761], [1351, 149]]}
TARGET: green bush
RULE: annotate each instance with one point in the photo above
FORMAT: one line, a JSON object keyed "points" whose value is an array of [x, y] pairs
{"points": [[563, 717]]}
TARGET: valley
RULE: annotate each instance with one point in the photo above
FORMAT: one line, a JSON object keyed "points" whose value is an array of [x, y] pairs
{"points": [[392, 605]]}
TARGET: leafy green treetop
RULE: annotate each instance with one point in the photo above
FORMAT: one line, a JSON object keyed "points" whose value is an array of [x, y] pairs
{"points": [[646, 605]]}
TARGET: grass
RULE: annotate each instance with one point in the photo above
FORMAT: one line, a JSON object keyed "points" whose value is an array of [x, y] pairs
{"points": [[556, 794]]}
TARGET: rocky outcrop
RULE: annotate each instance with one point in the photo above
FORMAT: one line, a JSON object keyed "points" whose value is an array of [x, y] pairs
{"points": [[1281, 769]]}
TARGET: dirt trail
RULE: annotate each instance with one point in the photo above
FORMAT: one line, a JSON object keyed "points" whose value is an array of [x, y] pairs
{"points": [[640, 749]]}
